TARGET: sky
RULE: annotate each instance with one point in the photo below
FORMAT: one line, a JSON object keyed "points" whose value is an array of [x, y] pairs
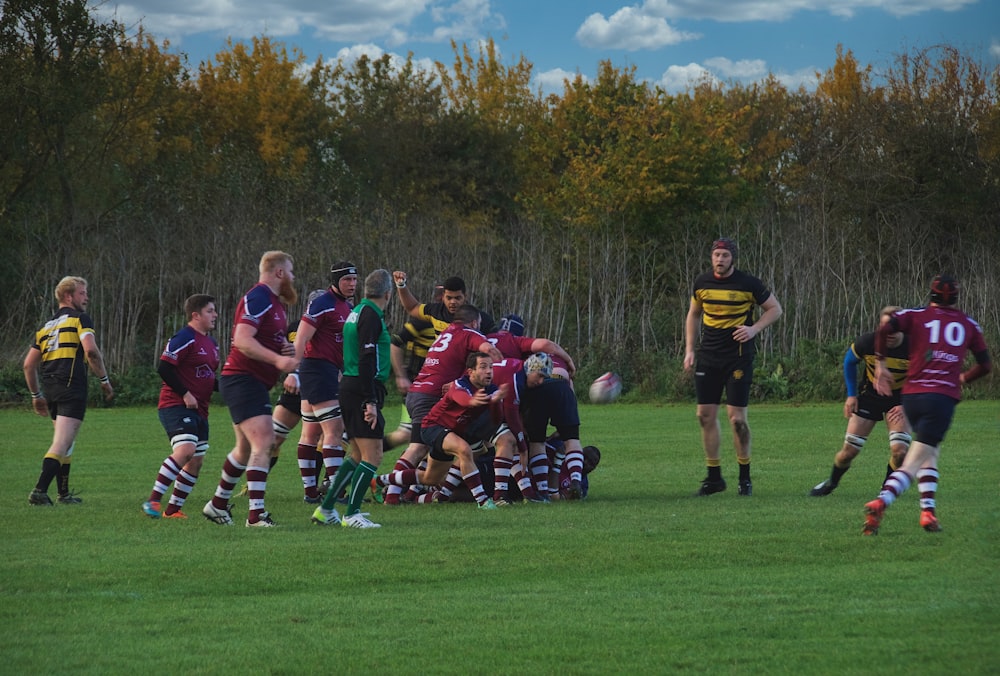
{"points": [[671, 43]]}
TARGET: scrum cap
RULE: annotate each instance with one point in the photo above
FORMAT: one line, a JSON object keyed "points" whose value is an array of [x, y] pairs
{"points": [[944, 290], [540, 362], [513, 324], [339, 270], [725, 243]]}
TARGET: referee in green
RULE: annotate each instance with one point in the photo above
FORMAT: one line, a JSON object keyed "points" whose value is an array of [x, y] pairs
{"points": [[367, 367]]}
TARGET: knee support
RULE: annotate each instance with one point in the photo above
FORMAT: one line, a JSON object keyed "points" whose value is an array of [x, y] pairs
{"points": [[901, 438], [180, 439], [501, 430], [280, 429], [855, 441], [324, 414]]}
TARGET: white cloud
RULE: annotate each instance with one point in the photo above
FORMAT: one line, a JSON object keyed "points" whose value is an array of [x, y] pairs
{"points": [[553, 81], [782, 10], [335, 20], [629, 28], [677, 79], [349, 55], [463, 20], [719, 70], [995, 49], [803, 77], [355, 52], [393, 22], [745, 69]]}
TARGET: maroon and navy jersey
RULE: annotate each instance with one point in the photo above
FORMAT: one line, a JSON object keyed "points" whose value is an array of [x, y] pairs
{"points": [[510, 372], [446, 357], [454, 411], [510, 345], [195, 358], [262, 309], [939, 338], [327, 314]]}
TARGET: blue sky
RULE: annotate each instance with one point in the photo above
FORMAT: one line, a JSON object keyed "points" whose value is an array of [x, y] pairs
{"points": [[670, 42]]}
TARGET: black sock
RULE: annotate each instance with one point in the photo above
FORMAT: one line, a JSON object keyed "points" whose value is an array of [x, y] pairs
{"points": [[837, 473], [50, 468], [62, 479], [715, 474], [745, 472], [888, 470]]}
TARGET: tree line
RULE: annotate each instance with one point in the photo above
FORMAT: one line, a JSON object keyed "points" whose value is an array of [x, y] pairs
{"points": [[588, 212]]}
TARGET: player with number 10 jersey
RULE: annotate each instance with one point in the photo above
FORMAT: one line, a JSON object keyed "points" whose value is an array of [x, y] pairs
{"points": [[939, 338]]}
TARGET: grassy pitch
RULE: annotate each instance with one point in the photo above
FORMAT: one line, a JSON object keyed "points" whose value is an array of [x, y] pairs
{"points": [[640, 578]]}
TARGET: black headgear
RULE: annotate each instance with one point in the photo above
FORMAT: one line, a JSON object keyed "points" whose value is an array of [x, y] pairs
{"points": [[513, 324], [725, 243], [944, 290], [341, 269]]}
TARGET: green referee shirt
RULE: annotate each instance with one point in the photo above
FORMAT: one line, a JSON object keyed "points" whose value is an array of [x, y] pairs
{"points": [[366, 344]]}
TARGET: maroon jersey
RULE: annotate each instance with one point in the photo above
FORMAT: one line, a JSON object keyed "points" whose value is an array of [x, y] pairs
{"points": [[262, 309], [446, 357], [940, 337], [328, 314], [510, 345], [195, 358], [510, 372], [455, 410]]}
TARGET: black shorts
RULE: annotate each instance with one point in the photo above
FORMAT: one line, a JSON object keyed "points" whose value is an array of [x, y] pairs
{"points": [[479, 431], [65, 401], [180, 422], [352, 410], [433, 437], [418, 405], [733, 376], [873, 406], [245, 396], [319, 381], [293, 402], [930, 416], [551, 402]]}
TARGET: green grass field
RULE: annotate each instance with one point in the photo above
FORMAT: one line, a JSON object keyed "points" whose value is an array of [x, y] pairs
{"points": [[640, 578]]}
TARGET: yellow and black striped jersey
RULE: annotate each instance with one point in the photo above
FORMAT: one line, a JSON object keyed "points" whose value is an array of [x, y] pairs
{"points": [[897, 361], [414, 338], [727, 304], [437, 314], [61, 343]]}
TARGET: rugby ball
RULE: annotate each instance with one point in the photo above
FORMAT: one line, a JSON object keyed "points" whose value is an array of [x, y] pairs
{"points": [[605, 389]]}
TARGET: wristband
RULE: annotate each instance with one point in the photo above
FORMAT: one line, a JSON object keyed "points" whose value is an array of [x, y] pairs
{"points": [[401, 285], [105, 380], [36, 395]]}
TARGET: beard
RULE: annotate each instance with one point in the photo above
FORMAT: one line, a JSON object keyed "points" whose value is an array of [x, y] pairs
{"points": [[725, 271], [287, 292]]}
